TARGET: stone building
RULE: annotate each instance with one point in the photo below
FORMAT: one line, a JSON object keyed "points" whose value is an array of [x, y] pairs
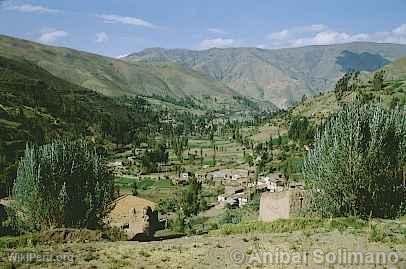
{"points": [[142, 225], [281, 205]]}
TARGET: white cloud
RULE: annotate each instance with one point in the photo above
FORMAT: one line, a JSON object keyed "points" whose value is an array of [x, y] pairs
{"points": [[217, 43], [126, 20], [300, 30], [401, 30], [122, 56], [217, 31], [102, 37], [50, 36], [279, 35], [28, 8], [319, 34]]}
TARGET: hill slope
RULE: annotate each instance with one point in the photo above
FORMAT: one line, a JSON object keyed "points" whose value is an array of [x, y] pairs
{"points": [[114, 77], [282, 76], [37, 106], [396, 70], [393, 93]]}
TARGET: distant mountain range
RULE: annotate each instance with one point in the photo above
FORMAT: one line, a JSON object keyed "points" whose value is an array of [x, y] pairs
{"points": [[114, 77], [215, 77], [282, 76]]}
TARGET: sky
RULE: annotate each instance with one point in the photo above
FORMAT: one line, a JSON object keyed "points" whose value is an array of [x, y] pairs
{"points": [[119, 27]]}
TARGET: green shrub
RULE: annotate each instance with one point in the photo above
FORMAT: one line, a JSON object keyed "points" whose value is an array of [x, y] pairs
{"points": [[355, 167], [22, 241], [376, 233], [114, 234], [231, 216], [292, 225], [63, 184], [167, 205], [134, 188]]}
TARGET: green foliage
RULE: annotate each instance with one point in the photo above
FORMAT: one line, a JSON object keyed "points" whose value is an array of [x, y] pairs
{"points": [[179, 144], [134, 188], [376, 232], [151, 158], [231, 216], [356, 165], [301, 130], [189, 204], [63, 184], [22, 241], [167, 206], [114, 234], [347, 84], [181, 223], [292, 225], [191, 200], [7, 176], [187, 101], [378, 80]]}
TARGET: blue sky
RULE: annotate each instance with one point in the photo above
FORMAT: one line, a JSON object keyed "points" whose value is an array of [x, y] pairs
{"points": [[119, 27]]}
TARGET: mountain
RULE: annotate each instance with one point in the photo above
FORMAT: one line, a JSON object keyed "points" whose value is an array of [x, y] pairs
{"points": [[396, 70], [37, 106], [114, 77], [281, 76], [393, 93]]}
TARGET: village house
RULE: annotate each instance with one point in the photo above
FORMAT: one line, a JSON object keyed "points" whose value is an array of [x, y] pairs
{"points": [[184, 177], [274, 182], [229, 174]]}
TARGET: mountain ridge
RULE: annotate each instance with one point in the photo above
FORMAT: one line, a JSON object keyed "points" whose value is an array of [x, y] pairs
{"points": [[281, 76], [115, 77]]}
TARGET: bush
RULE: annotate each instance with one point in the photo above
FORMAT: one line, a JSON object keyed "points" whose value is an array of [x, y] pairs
{"points": [[356, 165], [376, 233], [134, 188], [63, 184], [231, 216], [292, 225], [167, 206]]}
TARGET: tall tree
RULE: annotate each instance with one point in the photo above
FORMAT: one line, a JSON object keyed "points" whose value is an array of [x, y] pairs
{"points": [[355, 167], [63, 184]]}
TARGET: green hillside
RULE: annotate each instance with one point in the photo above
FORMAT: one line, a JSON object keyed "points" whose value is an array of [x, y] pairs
{"points": [[282, 76], [393, 93], [113, 77], [396, 70], [37, 106]]}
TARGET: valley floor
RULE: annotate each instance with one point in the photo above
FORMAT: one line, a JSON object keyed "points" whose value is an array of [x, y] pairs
{"points": [[254, 250]]}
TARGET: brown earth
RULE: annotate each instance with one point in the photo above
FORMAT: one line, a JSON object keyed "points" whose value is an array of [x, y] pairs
{"points": [[119, 215], [218, 251]]}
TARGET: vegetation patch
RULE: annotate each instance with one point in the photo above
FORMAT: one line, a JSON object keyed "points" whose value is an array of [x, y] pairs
{"points": [[292, 225]]}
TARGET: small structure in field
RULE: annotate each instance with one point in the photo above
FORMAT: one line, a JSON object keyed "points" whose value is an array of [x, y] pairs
{"points": [[281, 205], [142, 224], [183, 179], [136, 217], [229, 174]]}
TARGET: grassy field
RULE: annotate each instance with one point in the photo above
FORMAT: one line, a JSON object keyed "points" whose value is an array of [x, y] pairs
{"points": [[148, 188]]}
